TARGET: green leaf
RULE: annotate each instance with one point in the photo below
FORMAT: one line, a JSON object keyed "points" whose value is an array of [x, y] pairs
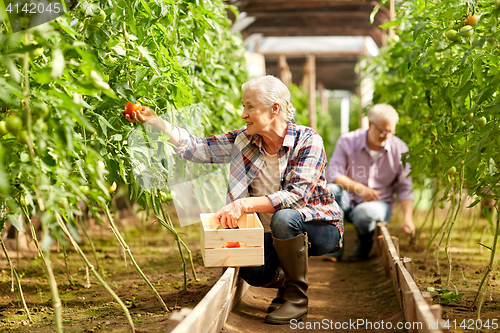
{"points": [[11, 67], [389, 24], [145, 4], [17, 222], [140, 74], [146, 54], [464, 91]]}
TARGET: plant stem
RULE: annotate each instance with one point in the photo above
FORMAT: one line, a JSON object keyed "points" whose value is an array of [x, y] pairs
{"points": [[170, 227], [431, 240], [92, 269], [489, 268], [447, 224], [18, 281], [91, 243], [186, 248], [56, 301], [66, 265], [129, 253], [452, 224]]}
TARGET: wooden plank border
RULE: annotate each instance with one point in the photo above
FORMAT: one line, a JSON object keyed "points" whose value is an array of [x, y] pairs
{"points": [[211, 313], [417, 311]]}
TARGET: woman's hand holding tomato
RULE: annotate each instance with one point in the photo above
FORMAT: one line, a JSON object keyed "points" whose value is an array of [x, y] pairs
{"points": [[135, 113]]}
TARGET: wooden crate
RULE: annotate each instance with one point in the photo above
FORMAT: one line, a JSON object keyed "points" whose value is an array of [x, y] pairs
{"points": [[250, 232]]}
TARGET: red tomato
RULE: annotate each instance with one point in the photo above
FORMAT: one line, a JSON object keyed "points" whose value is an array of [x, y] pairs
{"points": [[231, 245], [130, 107]]}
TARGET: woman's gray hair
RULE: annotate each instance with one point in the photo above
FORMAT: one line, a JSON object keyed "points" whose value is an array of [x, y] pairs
{"points": [[271, 90], [383, 111]]}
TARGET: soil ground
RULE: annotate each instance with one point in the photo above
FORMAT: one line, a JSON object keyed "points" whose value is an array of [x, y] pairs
{"points": [[343, 291], [340, 293], [94, 309], [468, 264]]}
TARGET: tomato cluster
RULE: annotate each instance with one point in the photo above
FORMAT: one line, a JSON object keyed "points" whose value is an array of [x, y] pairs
{"points": [[466, 30]]}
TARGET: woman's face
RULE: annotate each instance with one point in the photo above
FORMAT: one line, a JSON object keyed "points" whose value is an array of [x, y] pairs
{"points": [[256, 114]]}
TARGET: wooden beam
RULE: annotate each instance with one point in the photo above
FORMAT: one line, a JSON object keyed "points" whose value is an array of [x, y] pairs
{"points": [[211, 313], [320, 55], [286, 5], [285, 74], [323, 97], [376, 34], [310, 71], [392, 17]]}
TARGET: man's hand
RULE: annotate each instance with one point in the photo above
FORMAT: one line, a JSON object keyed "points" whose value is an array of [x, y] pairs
{"points": [[408, 226], [228, 215], [367, 193]]}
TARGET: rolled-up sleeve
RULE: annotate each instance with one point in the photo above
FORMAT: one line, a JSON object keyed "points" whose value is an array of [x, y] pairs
{"points": [[212, 149], [306, 170], [338, 163], [403, 185]]}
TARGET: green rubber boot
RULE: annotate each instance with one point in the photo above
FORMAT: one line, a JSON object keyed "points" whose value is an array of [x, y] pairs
{"points": [[293, 254]]}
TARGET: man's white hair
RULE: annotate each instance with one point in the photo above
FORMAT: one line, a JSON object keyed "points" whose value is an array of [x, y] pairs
{"points": [[271, 90], [383, 112]]}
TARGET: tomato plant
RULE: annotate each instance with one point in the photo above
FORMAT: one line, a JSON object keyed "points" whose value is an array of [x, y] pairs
{"points": [[63, 84], [464, 86]]}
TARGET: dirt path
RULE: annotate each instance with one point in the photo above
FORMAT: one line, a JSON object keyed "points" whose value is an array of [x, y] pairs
{"points": [[339, 293]]}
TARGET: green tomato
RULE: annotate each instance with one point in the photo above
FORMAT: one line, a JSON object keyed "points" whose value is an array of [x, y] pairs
{"points": [[165, 197], [452, 35], [469, 117], [22, 201], [14, 124], [22, 137], [99, 18], [441, 205], [451, 171], [3, 128], [466, 31], [41, 109], [481, 122], [84, 189]]}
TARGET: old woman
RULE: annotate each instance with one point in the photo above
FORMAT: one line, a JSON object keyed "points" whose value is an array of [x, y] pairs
{"points": [[278, 171]]}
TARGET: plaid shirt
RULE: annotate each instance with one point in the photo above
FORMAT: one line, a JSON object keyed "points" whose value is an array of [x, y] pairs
{"points": [[302, 161]]}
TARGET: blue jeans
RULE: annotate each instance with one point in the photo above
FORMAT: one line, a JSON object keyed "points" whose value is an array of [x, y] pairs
{"points": [[286, 224], [364, 215]]}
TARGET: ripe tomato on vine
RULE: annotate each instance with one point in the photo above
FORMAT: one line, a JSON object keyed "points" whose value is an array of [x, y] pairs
{"points": [[131, 107]]}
